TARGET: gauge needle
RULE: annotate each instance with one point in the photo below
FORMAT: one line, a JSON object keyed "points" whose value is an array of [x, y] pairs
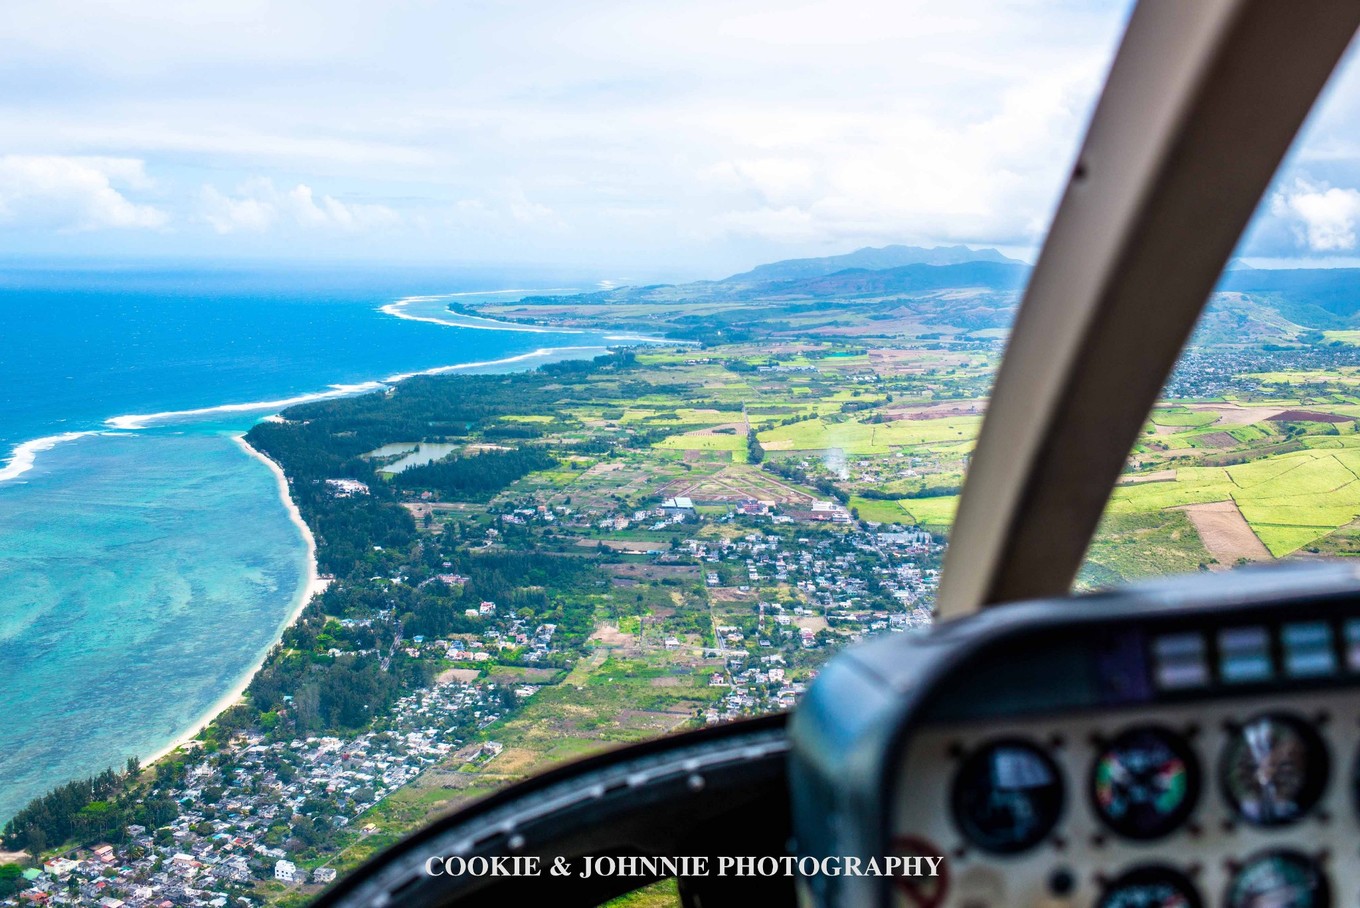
{"points": [[1258, 742]]}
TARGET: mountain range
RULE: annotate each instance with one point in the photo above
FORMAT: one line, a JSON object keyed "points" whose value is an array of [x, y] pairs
{"points": [[868, 259], [915, 290]]}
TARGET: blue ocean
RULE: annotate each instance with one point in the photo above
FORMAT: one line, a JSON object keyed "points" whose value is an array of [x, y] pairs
{"points": [[147, 561]]}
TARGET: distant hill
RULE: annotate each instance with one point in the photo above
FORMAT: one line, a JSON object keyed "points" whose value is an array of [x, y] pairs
{"points": [[869, 258], [946, 290], [1322, 298], [913, 279]]}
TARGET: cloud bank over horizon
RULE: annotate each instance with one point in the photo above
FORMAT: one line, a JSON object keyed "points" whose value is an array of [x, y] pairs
{"points": [[629, 138]]}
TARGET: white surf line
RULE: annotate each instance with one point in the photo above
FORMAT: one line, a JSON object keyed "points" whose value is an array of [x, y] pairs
{"points": [[398, 310], [448, 296], [457, 320], [133, 421], [315, 586], [24, 455], [459, 367]]}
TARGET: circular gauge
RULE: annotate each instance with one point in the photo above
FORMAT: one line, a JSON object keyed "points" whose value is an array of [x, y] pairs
{"points": [[1007, 796], [1151, 886], [1274, 769], [1279, 879], [1145, 782]]}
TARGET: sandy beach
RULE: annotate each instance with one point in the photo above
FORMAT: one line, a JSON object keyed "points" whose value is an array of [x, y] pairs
{"points": [[315, 585], [174, 734]]}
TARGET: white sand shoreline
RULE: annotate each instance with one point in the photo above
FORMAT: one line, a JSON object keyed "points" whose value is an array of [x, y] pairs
{"points": [[451, 319], [315, 585]]}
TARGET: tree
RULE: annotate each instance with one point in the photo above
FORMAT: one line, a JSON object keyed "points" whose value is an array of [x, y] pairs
{"points": [[754, 452], [11, 880]]}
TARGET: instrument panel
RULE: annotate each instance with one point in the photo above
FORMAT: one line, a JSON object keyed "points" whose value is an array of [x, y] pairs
{"points": [[1240, 805], [1224, 770], [1190, 742]]}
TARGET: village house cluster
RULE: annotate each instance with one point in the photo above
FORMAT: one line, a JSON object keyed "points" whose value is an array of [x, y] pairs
{"points": [[1207, 373], [849, 585], [247, 812]]}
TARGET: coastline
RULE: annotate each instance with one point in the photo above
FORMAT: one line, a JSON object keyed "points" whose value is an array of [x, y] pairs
{"points": [[130, 422], [23, 455], [315, 583], [397, 309], [314, 586]]}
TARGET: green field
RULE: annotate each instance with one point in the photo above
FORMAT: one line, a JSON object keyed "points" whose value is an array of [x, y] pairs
{"points": [[856, 437], [932, 512], [736, 444], [880, 511], [1288, 499], [1132, 546], [936, 512], [1178, 417]]}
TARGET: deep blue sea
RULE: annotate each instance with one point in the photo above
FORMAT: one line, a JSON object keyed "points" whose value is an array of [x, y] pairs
{"points": [[147, 562]]}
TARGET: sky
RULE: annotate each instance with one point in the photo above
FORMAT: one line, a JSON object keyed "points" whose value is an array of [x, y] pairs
{"points": [[636, 140]]}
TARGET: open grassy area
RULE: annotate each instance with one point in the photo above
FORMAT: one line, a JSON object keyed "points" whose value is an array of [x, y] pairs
{"points": [[934, 513], [880, 511], [1130, 546], [663, 894], [734, 443], [1182, 417], [1351, 338], [856, 437], [605, 701]]}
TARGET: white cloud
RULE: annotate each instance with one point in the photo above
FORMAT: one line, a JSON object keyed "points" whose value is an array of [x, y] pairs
{"points": [[227, 214], [698, 136], [331, 212], [777, 181], [74, 193], [787, 224], [259, 206], [1322, 217], [986, 175], [527, 212], [508, 209]]}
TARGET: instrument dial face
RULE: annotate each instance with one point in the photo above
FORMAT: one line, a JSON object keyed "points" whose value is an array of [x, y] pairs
{"points": [[1152, 886], [1274, 769], [1145, 783], [1007, 796], [1279, 879]]}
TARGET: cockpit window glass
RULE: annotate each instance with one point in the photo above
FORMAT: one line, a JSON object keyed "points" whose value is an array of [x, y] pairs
{"points": [[1252, 453]]}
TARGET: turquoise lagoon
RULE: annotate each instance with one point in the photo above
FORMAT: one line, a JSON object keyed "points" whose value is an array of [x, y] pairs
{"points": [[147, 561]]}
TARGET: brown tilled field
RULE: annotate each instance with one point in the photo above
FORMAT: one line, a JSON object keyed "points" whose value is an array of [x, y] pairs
{"points": [[1225, 532], [1309, 416]]}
